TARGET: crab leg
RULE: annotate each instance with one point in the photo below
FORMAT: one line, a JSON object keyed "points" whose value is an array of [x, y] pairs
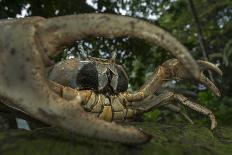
{"points": [[152, 84], [172, 69], [24, 84], [169, 97], [178, 110], [184, 100], [155, 101]]}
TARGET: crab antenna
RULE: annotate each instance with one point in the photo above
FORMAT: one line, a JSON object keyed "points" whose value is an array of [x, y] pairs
{"points": [[114, 55]]}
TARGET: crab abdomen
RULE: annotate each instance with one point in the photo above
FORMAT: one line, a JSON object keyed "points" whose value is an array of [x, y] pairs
{"points": [[108, 109]]}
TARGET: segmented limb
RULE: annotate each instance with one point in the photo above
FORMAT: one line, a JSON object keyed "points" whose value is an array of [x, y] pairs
{"points": [[169, 97], [172, 69], [178, 110], [153, 102]]}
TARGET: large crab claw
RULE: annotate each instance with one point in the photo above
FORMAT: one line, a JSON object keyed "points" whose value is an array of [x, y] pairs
{"points": [[26, 45], [177, 71]]}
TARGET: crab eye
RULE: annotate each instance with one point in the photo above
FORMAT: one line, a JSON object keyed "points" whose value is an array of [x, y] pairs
{"points": [[87, 75], [122, 79]]}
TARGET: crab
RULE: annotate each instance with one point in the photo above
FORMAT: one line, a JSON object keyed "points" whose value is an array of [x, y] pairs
{"points": [[107, 82], [27, 83]]}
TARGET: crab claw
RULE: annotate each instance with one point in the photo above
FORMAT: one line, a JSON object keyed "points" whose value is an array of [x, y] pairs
{"points": [[204, 65], [60, 31], [24, 85], [176, 70]]}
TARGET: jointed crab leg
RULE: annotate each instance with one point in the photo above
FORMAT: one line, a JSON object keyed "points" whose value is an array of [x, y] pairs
{"points": [[155, 101], [185, 101], [152, 84], [178, 110], [169, 97], [172, 69]]}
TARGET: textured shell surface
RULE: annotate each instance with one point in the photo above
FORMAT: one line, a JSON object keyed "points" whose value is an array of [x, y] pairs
{"points": [[101, 75]]}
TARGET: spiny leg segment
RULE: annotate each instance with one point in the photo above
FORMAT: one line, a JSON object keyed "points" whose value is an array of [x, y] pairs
{"points": [[168, 98], [177, 109]]}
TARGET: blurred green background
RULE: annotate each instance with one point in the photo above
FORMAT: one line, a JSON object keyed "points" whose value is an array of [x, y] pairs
{"points": [[213, 28]]}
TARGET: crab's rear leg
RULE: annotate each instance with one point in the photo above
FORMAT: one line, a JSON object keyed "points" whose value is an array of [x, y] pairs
{"points": [[177, 109], [185, 101], [169, 97], [155, 102]]}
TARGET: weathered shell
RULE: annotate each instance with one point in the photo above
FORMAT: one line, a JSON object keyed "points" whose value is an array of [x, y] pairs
{"points": [[97, 75]]}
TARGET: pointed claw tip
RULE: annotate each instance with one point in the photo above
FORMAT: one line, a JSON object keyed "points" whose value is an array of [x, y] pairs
{"points": [[208, 65], [191, 122], [218, 94], [142, 139], [147, 137], [220, 72], [213, 121], [213, 126]]}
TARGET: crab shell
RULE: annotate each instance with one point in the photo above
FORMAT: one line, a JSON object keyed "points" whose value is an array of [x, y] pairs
{"points": [[100, 75]]}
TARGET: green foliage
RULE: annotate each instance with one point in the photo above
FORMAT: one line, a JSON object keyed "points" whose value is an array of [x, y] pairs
{"points": [[175, 139], [151, 116]]}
